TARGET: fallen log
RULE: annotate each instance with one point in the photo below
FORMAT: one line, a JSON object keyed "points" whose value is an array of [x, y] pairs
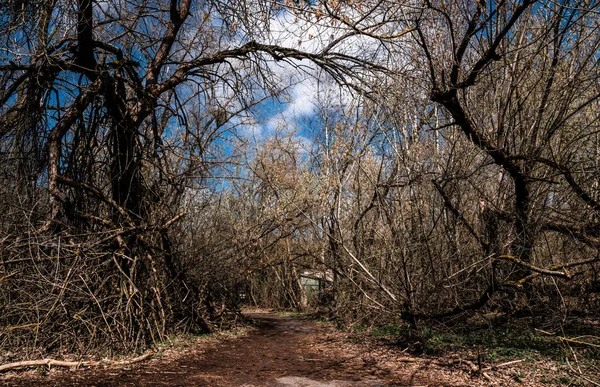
{"points": [[62, 363]]}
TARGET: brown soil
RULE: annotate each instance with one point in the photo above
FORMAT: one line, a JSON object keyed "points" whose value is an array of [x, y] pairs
{"points": [[281, 351]]}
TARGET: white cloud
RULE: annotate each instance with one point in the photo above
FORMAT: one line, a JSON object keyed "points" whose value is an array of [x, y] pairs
{"points": [[304, 86], [302, 100]]}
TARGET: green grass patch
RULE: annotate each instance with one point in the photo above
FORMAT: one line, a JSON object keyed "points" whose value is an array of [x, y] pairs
{"points": [[508, 342], [390, 330], [498, 344]]}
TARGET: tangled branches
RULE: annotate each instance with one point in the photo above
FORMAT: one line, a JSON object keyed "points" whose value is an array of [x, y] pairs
{"points": [[77, 292]]}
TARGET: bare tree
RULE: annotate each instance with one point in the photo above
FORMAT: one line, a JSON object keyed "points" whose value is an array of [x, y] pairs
{"points": [[111, 113], [519, 79]]}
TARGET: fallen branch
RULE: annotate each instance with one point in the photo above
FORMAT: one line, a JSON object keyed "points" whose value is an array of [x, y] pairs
{"points": [[494, 367], [569, 340], [553, 273], [61, 363], [487, 377], [579, 374], [452, 362], [557, 267]]}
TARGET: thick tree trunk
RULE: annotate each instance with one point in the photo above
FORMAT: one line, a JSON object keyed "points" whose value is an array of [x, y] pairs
{"points": [[125, 166], [125, 169]]}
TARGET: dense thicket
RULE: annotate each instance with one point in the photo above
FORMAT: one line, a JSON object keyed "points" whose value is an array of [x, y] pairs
{"points": [[450, 162]]}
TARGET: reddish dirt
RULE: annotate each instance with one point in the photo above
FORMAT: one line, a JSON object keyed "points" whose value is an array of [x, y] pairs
{"points": [[281, 351]]}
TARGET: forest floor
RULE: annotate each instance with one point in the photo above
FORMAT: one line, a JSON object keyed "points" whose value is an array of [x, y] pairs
{"points": [[290, 350]]}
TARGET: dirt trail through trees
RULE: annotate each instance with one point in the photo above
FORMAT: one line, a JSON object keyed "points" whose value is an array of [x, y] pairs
{"points": [[282, 351]]}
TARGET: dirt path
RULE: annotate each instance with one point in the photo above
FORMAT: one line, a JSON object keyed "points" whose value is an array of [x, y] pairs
{"points": [[282, 351]]}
